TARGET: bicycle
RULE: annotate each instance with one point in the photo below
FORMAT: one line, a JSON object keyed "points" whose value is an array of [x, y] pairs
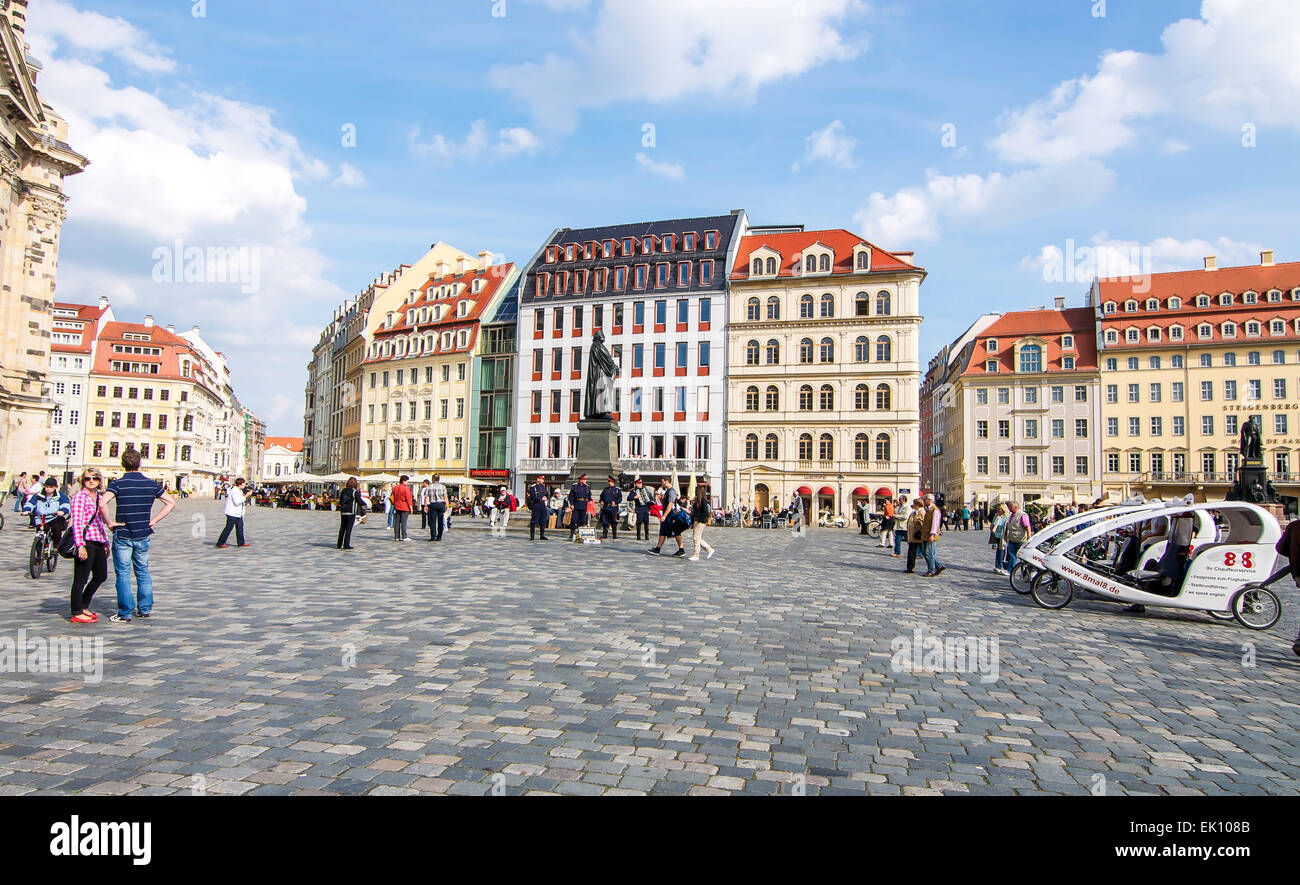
{"points": [[44, 555]]}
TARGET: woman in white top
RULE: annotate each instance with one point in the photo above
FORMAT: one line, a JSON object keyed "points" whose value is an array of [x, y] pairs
{"points": [[234, 515]]}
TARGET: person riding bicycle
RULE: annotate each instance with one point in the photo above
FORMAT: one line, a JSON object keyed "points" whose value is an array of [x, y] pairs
{"points": [[53, 505]]}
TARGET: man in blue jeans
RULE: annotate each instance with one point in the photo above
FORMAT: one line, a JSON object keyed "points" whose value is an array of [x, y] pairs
{"points": [[134, 493]]}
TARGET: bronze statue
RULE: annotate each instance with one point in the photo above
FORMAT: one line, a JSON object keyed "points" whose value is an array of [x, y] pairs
{"points": [[1252, 448], [601, 372]]}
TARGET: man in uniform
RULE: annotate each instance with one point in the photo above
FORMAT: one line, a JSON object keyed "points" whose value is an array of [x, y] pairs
{"points": [[610, 497], [536, 498], [579, 498], [642, 498]]}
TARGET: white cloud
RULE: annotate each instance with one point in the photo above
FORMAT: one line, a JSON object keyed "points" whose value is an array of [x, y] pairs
{"points": [[1238, 63], [349, 176], [1175, 147], [564, 5], [56, 24], [1106, 257], [917, 213], [477, 142], [666, 170], [831, 146], [639, 51]]}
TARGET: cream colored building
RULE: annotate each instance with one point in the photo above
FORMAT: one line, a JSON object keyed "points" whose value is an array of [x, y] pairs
{"points": [[824, 371], [34, 159], [1186, 359], [72, 356]]}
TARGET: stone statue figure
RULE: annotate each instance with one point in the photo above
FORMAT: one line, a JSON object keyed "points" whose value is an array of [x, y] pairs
{"points": [[601, 372], [1252, 448]]}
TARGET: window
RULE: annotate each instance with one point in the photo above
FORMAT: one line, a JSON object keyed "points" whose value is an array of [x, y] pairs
{"points": [[1058, 428], [1279, 423], [1031, 465], [1004, 465], [805, 447], [1155, 391], [826, 398], [1112, 427], [774, 308], [828, 305], [1031, 395], [861, 398], [884, 398], [861, 349], [1207, 391], [1112, 365], [806, 307], [751, 353], [1004, 430], [1081, 428], [884, 349], [1135, 462], [861, 447], [1279, 388], [882, 447], [1157, 426], [682, 354], [1031, 428], [1230, 390], [827, 351], [1112, 393], [751, 446], [1176, 391], [805, 398], [883, 304], [1134, 394], [1058, 465], [1004, 395], [1134, 426], [772, 399], [826, 447], [982, 397], [704, 354], [1031, 358], [806, 351], [981, 430], [660, 355], [1207, 425], [1179, 426], [982, 465], [773, 352], [1112, 462], [862, 304]]}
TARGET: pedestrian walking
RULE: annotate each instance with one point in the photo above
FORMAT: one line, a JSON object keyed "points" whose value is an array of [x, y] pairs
{"points": [[915, 534], [352, 506], [965, 519], [90, 534], [403, 501], [1015, 532], [610, 497], [422, 504], [675, 520], [16, 488], [700, 516], [642, 498], [934, 517], [536, 499], [901, 513], [887, 517], [863, 510], [133, 493], [579, 502], [437, 507], [796, 511], [995, 540], [234, 515]]}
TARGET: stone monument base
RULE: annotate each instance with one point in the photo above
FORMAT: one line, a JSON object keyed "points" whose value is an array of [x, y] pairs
{"points": [[597, 452]]}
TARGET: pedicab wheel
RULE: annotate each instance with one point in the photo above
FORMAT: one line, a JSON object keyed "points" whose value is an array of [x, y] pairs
{"points": [[1022, 577], [1050, 590], [873, 530], [36, 559], [1257, 607], [1222, 616]]}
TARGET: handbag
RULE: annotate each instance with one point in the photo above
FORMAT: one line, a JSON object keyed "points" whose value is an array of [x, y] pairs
{"points": [[68, 543]]}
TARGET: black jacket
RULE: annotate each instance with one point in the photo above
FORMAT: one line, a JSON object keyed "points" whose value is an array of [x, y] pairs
{"points": [[352, 503]]}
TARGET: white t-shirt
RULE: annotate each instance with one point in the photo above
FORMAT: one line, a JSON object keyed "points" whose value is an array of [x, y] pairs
{"points": [[235, 503]]}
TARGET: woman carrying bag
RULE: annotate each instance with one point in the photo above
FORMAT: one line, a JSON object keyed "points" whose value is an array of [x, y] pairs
{"points": [[90, 536], [996, 541], [352, 504]]}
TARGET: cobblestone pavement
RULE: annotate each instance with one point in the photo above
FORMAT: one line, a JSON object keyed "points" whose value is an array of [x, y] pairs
{"points": [[487, 664]]}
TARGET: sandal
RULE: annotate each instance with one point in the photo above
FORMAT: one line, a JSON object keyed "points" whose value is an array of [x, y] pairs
{"points": [[82, 619]]}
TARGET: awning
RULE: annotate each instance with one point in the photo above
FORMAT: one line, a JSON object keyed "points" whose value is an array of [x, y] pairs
{"points": [[826, 490], [884, 492], [803, 490], [862, 491]]}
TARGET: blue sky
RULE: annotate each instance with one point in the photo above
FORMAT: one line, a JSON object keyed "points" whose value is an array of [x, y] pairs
{"points": [[1121, 131]]}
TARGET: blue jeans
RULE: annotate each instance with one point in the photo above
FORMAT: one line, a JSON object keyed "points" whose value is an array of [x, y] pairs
{"points": [[132, 554], [1013, 547], [999, 556], [931, 561], [898, 540]]}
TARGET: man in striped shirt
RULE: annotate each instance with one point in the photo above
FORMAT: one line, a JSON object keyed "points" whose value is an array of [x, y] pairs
{"points": [[134, 494]]}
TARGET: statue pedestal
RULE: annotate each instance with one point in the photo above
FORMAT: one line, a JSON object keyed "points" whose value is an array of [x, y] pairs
{"points": [[1252, 483], [597, 451]]}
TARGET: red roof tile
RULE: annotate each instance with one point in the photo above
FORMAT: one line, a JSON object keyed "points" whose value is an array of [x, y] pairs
{"points": [[292, 443], [1050, 325], [840, 241]]}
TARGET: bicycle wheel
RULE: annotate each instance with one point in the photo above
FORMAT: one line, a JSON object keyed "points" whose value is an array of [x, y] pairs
{"points": [[1022, 577], [873, 530], [51, 558], [36, 559], [1050, 590], [1257, 607]]}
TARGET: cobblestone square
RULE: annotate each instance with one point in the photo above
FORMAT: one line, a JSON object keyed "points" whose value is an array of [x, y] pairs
{"points": [[495, 665]]}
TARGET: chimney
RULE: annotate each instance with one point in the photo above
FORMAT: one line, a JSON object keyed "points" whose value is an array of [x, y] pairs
{"points": [[1211, 262], [440, 268], [1266, 258], [103, 302], [195, 330], [148, 321], [171, 328], [484, 260], [1060, 302]]}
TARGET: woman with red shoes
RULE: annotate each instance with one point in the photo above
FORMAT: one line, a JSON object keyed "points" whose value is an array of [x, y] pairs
{"points": [[90, 568]]}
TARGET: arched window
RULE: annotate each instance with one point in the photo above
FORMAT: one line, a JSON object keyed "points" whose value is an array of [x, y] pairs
{"points": [[751, 309], [884, 400], [773, 352], [828, 305], [882, 447], [827, 351], [806, 351], [864, 261], [806, 307], [862, 304], [758, 266], [862, 349], [751, 447], [751, 353], [862, 397], [805, 398], [805, 447], [774, 308], [826, 398], [826, 447], [1031, 358], [884, 349], [825, 264], [751, 399], [771, 265], [883, 304], [771, 448], [861, 448], [773, 399]]}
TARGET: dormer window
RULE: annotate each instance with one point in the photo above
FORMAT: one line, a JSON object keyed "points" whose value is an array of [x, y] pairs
{"points": [[1175, 303], [1250, 298], [1153, 304], [1131, 336], [757, 269], [669, 241], [991, 346], [710, 240], [688, 242], [648, 245], [991, 366], [1067, 342], [1202, 300], [770, 266], [1175, 333], [1112, 337], [462, 309], [629, 246], [1130, 306], [569, 252], [1067, 363], [1274, 296], [1204, 330], [1109, 307], [1225, 300], [1153, 333], [1031, 358], [1252, 329], [1229, 330], [551, 253]]}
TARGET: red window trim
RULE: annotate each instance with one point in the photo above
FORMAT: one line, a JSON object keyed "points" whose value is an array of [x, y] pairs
{"points": [[634, 416], [680, 371], [702, 370], [679, 416], [656, 416]]}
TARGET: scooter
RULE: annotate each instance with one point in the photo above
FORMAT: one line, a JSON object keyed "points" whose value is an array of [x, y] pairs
{"points": [[1225, 572]]}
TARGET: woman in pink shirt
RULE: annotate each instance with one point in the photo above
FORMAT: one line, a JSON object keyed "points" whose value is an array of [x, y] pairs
{"points": [[90, 569]]}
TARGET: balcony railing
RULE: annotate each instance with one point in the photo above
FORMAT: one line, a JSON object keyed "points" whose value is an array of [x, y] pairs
{"points": [[684, 466]]}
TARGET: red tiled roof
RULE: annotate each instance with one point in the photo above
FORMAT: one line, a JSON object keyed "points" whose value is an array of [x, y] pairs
{"points": [[1048, 325], [493, 278], [1216, 316], [1187, 284], [88, 315], [841, 242], [292, 443]]}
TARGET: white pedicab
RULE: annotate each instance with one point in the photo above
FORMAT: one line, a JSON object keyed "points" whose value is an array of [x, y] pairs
{"points": [[1215, 557], [1030, 556]]}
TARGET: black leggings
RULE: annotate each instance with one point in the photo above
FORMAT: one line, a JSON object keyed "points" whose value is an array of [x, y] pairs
{"points": [[345, 530], [95, 568]]}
